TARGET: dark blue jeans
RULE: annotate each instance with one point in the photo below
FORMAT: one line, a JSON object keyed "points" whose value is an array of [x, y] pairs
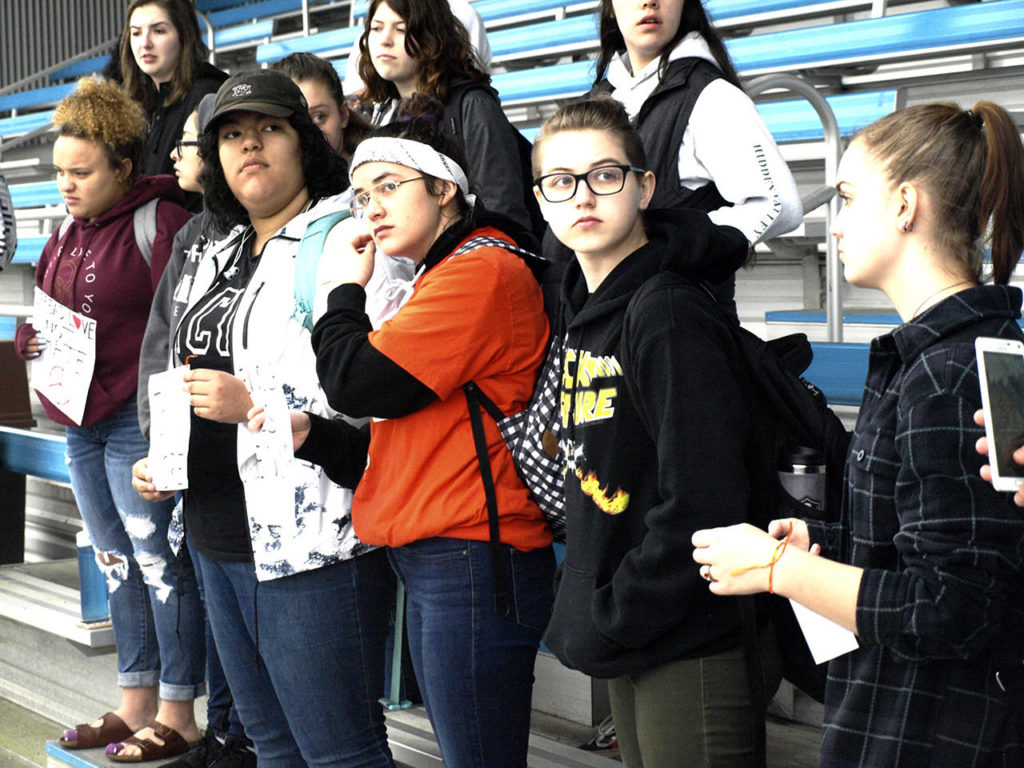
{"points": [[221, 716], [475, 669], [304, 658]]}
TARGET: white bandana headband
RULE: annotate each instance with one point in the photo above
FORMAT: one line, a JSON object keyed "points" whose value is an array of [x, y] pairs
{"points": [[412, 154]]}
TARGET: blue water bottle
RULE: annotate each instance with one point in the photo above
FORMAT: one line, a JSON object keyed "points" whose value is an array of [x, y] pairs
{"points": [[92, 582]]}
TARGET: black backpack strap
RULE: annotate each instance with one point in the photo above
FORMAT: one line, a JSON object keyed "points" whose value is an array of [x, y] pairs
{"points": [[477, 400]]}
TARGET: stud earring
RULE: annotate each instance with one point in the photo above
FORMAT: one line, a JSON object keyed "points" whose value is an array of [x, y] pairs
{"points": [[906, 226]]}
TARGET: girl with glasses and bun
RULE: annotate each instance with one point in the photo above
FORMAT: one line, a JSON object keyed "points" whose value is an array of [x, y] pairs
{"points": [[652, 427], [475, 316], [926, 564]]}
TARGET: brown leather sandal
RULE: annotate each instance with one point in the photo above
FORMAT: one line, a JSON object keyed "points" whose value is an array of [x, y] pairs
{"points": [[89, 735], [173, 745]]}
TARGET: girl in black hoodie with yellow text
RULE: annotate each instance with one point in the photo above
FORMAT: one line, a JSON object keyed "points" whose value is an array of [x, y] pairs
{"points": [[654, 427]]}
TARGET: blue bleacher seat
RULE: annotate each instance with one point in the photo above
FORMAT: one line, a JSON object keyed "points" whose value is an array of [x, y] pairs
{"points": [[558, 81], [724, 11], [559, 36], [819, 316], [259, 11], [334, 43], [11, 126], [38, 97], [956, 29], [839, 370], [29, 249], [34, 453], [80, 68], [35, 195], [796, 120], [243, 33], [7, 327]]}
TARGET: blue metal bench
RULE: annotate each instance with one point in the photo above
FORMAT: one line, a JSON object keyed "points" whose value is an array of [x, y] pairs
{"points": [[240, 14], [13, 126], [35, 195], [30, 249], [558, 81], [839, 370], [819, 316], [575, 33], [243, 33], [957, 29], [79, 68], [336, 42], [39, 97], [34, 453]]}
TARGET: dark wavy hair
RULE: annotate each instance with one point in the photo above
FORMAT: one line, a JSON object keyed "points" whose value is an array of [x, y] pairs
{"points": [[303, 67], [323, 170], [193, 53], [694, 19], [420, 118], [437, 41]]}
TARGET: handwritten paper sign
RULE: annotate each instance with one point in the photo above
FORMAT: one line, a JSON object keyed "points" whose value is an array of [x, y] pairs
{"points": [[169, 429], [268, 466], [825, 639], [63, 372]]}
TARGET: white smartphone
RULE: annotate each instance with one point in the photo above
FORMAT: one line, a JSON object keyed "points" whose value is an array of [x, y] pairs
{"points": [[1001, 372]]}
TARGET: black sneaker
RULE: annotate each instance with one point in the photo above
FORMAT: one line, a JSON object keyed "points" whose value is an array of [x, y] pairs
{"points": [[234, 754], [202, 754]]}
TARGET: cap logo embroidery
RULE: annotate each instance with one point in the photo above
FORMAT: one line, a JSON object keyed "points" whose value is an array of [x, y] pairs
{"points": [[244, 89]]}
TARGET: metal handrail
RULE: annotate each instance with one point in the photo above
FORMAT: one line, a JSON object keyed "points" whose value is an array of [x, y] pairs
{"points": [[833, 152], [42, 74]]}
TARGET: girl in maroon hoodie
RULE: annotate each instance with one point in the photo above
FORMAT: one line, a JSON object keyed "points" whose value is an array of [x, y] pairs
{"points": [[96, 266]]}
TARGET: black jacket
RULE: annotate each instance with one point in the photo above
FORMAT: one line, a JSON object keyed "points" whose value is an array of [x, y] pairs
{"points": [[166, 121], [661, 123], [654, 427], [494, 165]]}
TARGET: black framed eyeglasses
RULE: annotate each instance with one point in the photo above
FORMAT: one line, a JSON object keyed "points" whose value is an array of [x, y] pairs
{"points": [[605, 180], [180, 145]]}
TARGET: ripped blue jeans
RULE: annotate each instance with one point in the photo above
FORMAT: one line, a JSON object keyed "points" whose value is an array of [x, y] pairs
{"points": [[156, 613]]}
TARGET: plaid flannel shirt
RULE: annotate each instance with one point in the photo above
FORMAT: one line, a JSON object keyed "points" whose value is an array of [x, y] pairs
{"points": [[941, 602]]}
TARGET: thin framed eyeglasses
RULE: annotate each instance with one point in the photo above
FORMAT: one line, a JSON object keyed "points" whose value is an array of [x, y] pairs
{"points": [[380, 192], [180, 145], [605, 180]]}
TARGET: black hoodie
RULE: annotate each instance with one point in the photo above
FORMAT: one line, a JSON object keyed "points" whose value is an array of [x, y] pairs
{"points": [[654, 426]]}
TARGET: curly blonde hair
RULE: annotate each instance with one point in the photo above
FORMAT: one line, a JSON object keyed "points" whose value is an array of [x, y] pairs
{"points": [[102, 111]]}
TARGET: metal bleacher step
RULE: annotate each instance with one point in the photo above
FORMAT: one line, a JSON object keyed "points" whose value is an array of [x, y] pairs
{"points": [[49, 606]]}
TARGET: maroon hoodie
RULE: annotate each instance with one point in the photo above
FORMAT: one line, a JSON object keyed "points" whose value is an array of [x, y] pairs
{"points": [[96, 269]]}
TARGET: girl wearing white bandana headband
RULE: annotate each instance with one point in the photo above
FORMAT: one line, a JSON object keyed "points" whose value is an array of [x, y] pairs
{"points": [[475, 315]]}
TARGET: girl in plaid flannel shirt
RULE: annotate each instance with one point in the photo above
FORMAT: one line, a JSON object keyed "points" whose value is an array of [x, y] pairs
{"points": [[926, 565]]}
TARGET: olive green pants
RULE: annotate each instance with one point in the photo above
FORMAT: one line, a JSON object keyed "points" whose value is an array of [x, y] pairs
{"points": [[690, 713]]}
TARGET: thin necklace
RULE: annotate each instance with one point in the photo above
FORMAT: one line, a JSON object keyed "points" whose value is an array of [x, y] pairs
{"points": [[940, 291]]}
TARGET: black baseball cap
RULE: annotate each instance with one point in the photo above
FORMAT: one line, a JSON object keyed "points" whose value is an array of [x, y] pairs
{"points": [[259, 90]]}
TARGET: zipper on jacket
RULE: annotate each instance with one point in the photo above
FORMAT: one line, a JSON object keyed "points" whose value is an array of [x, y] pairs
{"points": [[248, 314]]}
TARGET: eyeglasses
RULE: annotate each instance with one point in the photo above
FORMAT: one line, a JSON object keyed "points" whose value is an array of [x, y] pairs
{"points": [[606, 180], [180, 145], [381, 192]]}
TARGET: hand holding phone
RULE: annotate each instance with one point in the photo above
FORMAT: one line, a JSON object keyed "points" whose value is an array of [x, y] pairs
{"points": [[1001, 373]]}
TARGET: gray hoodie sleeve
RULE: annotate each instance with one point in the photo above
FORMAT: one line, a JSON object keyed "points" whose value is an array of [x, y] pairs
{"points": [[155, 351]]}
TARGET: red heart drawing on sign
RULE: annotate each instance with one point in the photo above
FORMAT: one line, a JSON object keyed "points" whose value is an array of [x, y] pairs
{"points": [[78, 321]]}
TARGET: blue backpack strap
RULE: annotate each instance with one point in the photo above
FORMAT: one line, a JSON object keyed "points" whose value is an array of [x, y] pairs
{"points": [[307, 260]]}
